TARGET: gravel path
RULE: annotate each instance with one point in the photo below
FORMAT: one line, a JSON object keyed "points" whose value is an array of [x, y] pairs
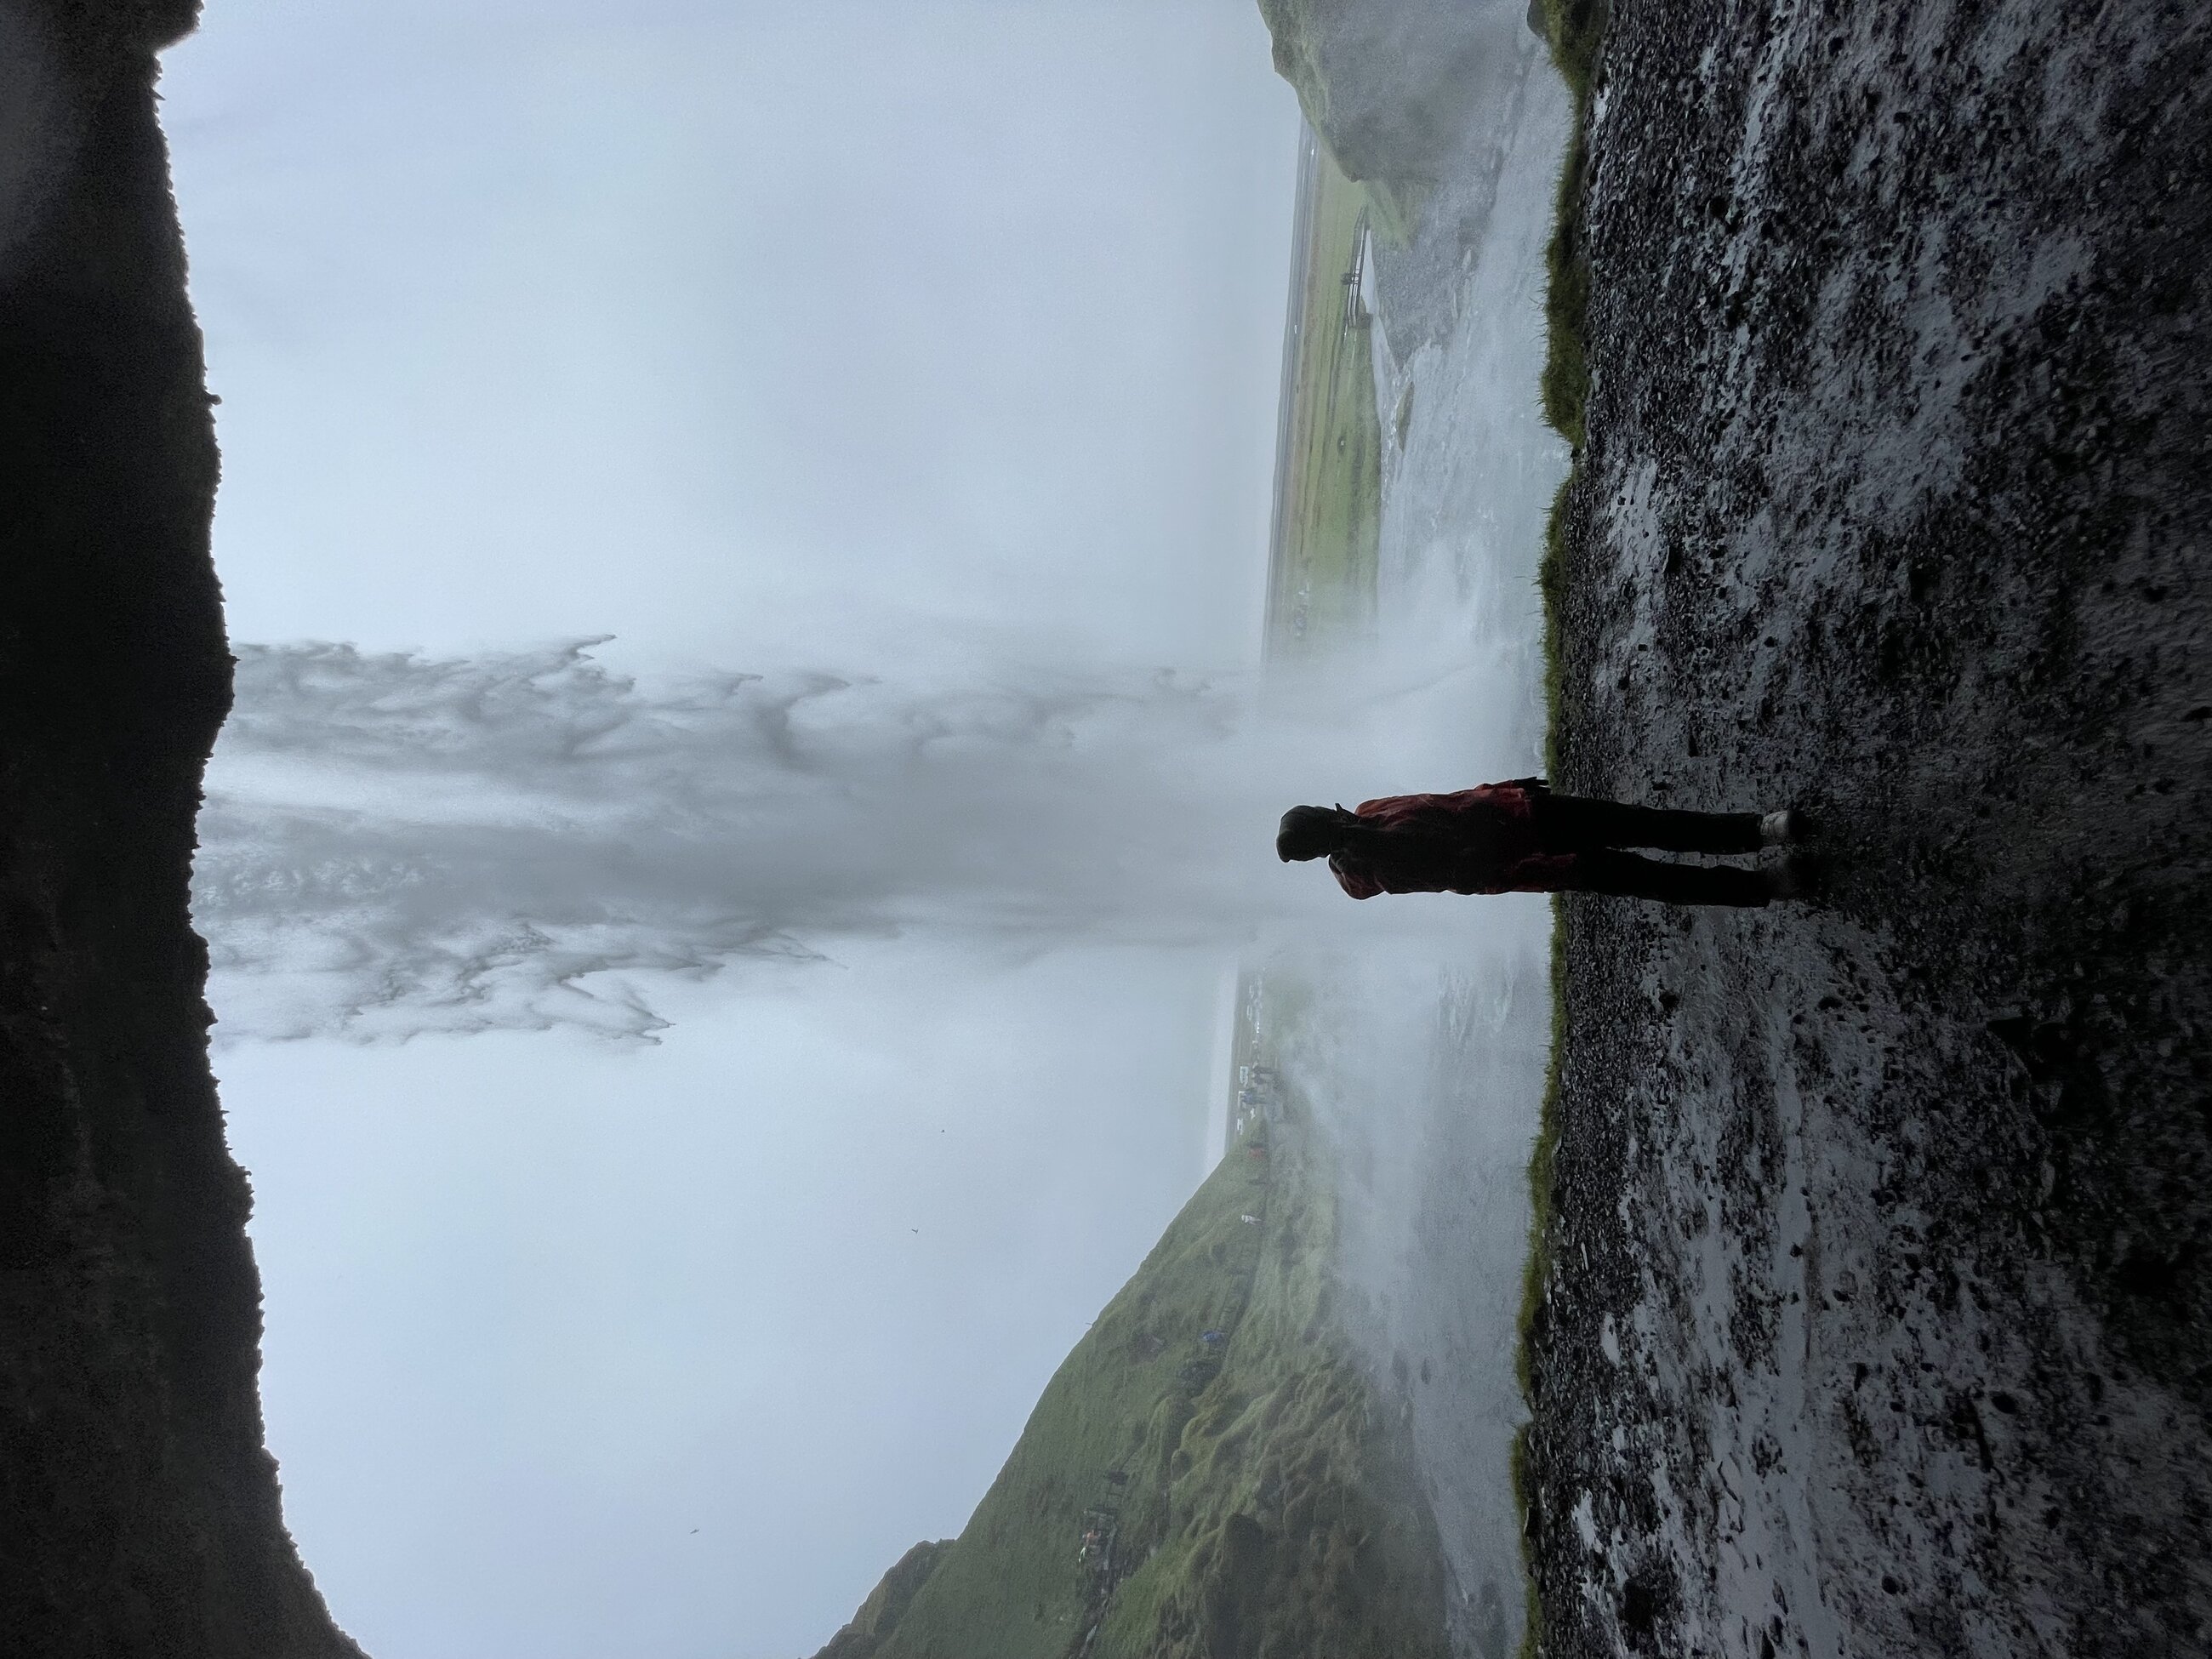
{"points": [[1877, 1321]]}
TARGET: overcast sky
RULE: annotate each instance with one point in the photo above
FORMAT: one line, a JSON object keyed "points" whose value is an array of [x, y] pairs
{"points": [[879, 339]]}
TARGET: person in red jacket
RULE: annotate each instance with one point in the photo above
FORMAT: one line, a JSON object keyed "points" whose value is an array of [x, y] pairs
{"points": [[1519, 838]]}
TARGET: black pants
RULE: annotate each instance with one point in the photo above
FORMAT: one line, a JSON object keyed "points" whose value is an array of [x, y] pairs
{"points": [[1595, 830]]}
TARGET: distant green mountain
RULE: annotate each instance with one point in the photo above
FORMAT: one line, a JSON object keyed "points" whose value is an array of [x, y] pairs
{"points": [[886, 1604], [1209, 1475], [1386, 83]]}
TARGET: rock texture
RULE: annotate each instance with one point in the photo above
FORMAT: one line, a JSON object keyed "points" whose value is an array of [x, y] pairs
{"points": [[138, 1511], [1880, 1316]]}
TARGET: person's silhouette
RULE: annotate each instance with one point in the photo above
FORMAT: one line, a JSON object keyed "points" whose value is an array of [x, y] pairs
{"points": [[1521, 837]]}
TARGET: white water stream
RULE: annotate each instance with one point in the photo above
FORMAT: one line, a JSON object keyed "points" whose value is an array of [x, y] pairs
{"points": [[1426, 1060]]}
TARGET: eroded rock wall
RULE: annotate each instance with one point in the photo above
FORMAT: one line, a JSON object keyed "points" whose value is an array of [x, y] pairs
{"points": [[138, 1510]]}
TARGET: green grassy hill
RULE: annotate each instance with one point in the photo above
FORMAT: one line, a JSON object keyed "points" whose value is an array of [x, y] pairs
{"points": [[1321, 577], [1250, 1497]]}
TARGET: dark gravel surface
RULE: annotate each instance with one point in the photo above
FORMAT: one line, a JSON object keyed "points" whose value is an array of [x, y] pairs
{"points": [[1877, 1318]]}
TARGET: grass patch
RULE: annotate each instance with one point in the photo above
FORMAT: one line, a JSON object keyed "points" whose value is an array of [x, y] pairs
{"points": [[1552, 579], [1538, 1267], [1575, 29], [1250, 1494], [1539, 1156], [1322, 572], [1532, 1644], [1397, 209], [1566, 357]]}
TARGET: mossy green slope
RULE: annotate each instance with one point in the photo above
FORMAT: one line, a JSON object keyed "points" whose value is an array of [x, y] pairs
{"points": [[1575, 31], [1322, 572], [871, 1626], [1251, 1496]]}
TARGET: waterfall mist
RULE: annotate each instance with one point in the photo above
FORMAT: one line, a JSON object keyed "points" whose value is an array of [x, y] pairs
{"points": [[394, 843]]}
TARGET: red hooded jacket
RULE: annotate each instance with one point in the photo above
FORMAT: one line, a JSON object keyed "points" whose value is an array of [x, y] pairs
{"points": [[1475, 841]]}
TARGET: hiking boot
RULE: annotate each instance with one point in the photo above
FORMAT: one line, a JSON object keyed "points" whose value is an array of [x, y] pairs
{"points": [[1796, 877], [1780, 828]]}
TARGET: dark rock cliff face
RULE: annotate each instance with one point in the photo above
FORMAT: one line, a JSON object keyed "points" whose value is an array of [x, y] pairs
{"points": [[138, 1511], [1880, 1319]]}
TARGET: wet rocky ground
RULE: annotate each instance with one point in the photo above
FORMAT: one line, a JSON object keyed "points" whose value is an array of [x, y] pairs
{"points": [[1876, 1322]]}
